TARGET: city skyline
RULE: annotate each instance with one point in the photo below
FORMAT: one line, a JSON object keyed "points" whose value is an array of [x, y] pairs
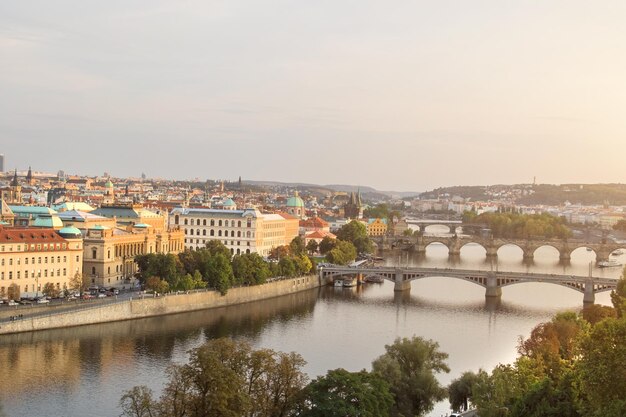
{"points": [[407, 98]]}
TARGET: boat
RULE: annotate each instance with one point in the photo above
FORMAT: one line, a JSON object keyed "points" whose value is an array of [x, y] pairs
{"points": [[338, 283], [350, 282], [617, 252], [608, 264], [589, 249], [375, 279]]}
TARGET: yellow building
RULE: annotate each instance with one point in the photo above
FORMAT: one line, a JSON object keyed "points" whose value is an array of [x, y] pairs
{"points": [[376, 227], [241, 231], [32, 257]]}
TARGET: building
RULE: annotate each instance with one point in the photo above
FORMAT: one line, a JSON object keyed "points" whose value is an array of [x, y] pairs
{"points": [[314, 224], [109, 252], [241, 231], [36, 216], [13, 193], [7, 217], [115, 234], [376, 227], [353, 209], [295, 206], [32, 257], [1, 162]]}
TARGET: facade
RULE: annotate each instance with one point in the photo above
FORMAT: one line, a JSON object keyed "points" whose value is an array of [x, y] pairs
{"points": [[376, 227], [13, 193], [109, 252], [241, 231], [354, 207], [32, 257]]}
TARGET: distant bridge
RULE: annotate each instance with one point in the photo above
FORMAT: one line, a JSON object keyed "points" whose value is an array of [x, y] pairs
{"points": [[454, 243], [492, 281]]}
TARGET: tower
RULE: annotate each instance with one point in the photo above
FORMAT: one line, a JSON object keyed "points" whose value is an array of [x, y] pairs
{"points": [[15, 195], [109, 193], [29, 176], [354, 207]]}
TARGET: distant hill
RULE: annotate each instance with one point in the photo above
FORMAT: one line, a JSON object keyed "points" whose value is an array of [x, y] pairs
{"points": [[366, 191], [548, 194]]}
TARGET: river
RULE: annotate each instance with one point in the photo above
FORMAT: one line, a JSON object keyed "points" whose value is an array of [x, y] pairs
{"points": [[83, 371]]}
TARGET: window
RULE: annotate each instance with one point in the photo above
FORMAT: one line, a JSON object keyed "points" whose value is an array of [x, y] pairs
{"points": [[25, 261], [232, 233], [239, 233], [93, 270], [212, 222], [191, 232], [39, 260], [204, 222], [239, 223], [176, 218], [109, 254], [219, 223], [203, 232], [212, 233], [94, 253], [219, 233], [185, 222]]}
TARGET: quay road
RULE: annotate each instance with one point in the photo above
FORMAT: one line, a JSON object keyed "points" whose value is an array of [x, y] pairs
{"points": [[492, 281]]}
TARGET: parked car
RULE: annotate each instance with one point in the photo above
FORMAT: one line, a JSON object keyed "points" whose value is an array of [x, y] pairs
{"points": [[13, 303], [102, 295], [87, 296], [42, 300]]}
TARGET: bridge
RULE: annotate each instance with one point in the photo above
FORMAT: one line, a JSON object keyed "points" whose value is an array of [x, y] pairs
{"points": [[454, 243], [423, 224], [492, 281]]}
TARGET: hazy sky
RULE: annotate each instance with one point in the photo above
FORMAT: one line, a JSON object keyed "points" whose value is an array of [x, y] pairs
{"points": [[405, 95]]}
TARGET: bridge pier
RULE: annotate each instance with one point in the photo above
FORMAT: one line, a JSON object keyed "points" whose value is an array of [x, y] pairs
{"points": [[401, 284], [492, 251], [492, 290], [565, 255], [590, 296]]}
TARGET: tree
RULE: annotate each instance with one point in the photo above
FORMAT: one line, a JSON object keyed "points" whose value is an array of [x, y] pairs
{"points": [[601, 367], [138, 402], [327, 244], [13, 292], [287, 267], [312, 246], [224, 378], [279, 252], [220, 273], [409, 366], [50, 290], [595, 313], [460, 391], [215, 247], [342, 253], [618, 296], [346, 394], [296, 247], [355, 232], [157, 285], [78, 283]]}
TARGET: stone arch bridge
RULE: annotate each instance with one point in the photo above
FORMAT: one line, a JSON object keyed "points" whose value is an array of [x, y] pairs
{"points": [[492, 281], [528, 246]]}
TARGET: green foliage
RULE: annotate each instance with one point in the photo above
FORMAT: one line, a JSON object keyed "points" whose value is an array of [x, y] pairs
{"points": [[409, 366], [520, 226], [164, 266], [601, 366], [312, 246], [547, 399], [326, 245], [342, 254], [346, 394], [296, 247], [618, 296], [355, 232], [224, 378], [219, 273], [215, 247], [460, 391], [250, 269]]}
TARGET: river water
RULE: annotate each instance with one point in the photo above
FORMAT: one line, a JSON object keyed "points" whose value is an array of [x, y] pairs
{"points": [[83, 371]]}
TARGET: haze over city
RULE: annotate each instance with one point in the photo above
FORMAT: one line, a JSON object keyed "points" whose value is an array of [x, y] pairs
{"points": [[405, 96]]}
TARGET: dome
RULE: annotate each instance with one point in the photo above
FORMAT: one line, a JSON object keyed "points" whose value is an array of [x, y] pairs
{"points": [[229, 202], [295, 201], [108, 184], [70, 232], [99, 227]]}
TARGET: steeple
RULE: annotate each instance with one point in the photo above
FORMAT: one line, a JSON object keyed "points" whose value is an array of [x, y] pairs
{"points": [[358, 197], [29, 176], [14, 182]]}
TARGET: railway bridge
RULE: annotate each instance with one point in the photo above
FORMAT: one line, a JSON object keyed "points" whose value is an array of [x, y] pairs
{"points": [[492, 281]]}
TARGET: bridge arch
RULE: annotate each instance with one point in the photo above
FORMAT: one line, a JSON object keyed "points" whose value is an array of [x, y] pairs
{"points": [[533, 250], [473, 246], [581, 248], [510, 247]]}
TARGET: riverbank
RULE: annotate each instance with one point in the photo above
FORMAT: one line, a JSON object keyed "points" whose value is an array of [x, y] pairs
{"points": [[168, 304]]}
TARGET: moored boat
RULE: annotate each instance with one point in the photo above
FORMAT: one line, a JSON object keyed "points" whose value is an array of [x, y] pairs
{"points": [[350, 282], [617, 252], [338, 283], [608, 264]]}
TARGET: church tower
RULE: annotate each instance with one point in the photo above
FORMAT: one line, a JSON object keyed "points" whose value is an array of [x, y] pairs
{"points": [[29, 177], [15, 195], [109, 193]]}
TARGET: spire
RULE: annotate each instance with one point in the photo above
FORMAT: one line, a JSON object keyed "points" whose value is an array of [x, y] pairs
{"points": [[358, 197], [14, 183], [29, 176]]}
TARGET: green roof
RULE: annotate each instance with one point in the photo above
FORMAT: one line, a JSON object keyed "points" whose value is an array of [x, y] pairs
{"points": [[295, 202], [142, 225], [70, 232], [99, 227], [48, 221]]}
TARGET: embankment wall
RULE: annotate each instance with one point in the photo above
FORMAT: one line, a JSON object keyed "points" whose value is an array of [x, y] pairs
{"points": [[168, 304]]}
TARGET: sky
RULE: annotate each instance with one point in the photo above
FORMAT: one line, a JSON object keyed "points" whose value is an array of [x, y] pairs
{"points": [[402, 95]]}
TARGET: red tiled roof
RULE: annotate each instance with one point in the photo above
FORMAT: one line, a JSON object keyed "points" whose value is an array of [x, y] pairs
{"points": [[319, 234], [314, 222], [29, 235]]}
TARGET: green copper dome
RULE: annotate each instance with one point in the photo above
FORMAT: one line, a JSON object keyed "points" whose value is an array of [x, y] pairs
{"points": [[70, 232], [295, 201]]}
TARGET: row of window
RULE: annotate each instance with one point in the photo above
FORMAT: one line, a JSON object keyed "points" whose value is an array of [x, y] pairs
{"points": [[32, 274], [232, 251], [4, 290], [38, 247], [204, 241], [212, 222], [45, 260], [219, 233]]}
